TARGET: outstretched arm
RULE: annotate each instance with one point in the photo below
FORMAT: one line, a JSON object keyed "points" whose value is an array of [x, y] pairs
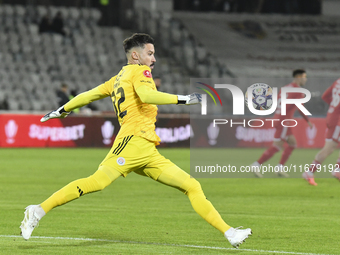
{"points": [[84, 99], [76, 102], [149, 96], [146, 90]]}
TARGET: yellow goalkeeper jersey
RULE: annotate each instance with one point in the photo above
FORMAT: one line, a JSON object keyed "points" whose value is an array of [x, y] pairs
{"points": [[134, 116]]}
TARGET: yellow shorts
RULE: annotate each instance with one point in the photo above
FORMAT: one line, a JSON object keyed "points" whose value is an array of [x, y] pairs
{"points": [[136, 154]]}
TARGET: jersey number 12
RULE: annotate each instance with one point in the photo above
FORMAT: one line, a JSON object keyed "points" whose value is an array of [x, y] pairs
{"points": [[120, 100]]}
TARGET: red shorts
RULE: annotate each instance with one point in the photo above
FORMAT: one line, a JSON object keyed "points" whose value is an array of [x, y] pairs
{"points": [[333, 133], [282, 133]]}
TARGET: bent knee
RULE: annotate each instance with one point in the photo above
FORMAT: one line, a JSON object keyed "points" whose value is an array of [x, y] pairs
{"points": [[191, 186], [100, 185], [100, 180]]}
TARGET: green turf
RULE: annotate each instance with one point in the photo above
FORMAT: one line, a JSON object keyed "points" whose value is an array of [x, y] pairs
{"points": [[136, 215]]}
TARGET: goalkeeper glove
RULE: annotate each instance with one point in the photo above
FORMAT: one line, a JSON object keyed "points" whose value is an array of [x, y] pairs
{"points": [[194, 98], [60, 113]]}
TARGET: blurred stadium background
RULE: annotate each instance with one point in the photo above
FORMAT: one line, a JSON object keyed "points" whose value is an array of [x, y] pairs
{"points": [[236, 40]]}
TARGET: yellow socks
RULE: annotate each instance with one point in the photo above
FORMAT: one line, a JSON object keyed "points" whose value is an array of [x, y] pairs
{"points": [[203, 206], [102, 178], [177, 178], [173, 176]]}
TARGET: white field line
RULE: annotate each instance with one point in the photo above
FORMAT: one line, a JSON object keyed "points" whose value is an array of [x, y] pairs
{"points": [[160, 244]]}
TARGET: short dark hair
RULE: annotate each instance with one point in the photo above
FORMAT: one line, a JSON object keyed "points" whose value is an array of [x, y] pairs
{"points": [[137, 40], [298, 72]]}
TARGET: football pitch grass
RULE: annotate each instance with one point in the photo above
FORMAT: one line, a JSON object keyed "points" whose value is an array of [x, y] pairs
{"points": [[136, 215]]}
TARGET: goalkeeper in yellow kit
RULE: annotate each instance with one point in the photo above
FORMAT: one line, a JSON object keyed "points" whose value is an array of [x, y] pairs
{"points": [[134, 97]]}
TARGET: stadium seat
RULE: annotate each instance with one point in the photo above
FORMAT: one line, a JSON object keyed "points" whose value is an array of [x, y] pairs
{"points": [[82, 59], [13, 104], [8, 10]]}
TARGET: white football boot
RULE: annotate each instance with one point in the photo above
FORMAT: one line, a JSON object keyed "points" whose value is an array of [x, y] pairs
{"points": [[279, 170], [31, 220], [255, 168], [237, 236], [309, 176]]}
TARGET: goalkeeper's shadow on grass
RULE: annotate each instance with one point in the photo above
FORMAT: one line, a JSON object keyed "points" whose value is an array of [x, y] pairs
{"points": [[32, 244]]}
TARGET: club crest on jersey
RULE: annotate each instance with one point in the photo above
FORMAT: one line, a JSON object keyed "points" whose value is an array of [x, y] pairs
{"points": [[147, 74], [121, 161]]}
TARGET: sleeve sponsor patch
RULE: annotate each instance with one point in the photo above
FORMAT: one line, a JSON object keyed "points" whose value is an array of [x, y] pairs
{"points": [[146, 81], [147, 74]]}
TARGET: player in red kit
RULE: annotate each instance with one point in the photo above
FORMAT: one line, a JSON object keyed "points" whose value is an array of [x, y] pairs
{"points": [[332, 97], [284, 134]]}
